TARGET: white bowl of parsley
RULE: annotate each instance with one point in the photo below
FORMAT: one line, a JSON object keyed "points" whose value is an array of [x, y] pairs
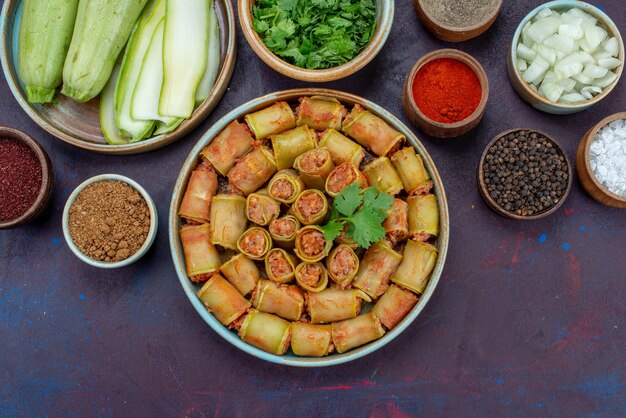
{"points": [[316, 40]]}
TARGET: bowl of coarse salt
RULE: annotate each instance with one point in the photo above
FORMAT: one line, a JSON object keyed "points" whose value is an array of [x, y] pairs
{"points": [[601, 161]]}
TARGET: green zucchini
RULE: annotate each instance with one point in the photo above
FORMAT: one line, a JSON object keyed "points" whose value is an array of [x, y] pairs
{"points": [[102, 29], [107, 110], [164, 128], [145, 101], [136, 50], [185, 48], [44, 38], [213, 59]]}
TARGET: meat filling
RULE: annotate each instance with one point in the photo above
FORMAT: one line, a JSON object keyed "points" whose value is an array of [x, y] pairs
{"points": [[284, 227], [313, 160], [254, 243], [257, 212], [310, 204], [311, 274], [343, 263], [341, 177], [282, 189], [312, 243], [279, 265]]}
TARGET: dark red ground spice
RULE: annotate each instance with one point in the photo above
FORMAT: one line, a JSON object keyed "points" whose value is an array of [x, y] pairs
{"points": [[20, 179]]}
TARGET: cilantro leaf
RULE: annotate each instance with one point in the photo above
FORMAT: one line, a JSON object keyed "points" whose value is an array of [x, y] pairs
{"points": [[332, 229], [349, 200], [376, 200], [365, 228]]}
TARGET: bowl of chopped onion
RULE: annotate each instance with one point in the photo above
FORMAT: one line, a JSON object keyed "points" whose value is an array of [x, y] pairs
{"points": [[565, 57]]}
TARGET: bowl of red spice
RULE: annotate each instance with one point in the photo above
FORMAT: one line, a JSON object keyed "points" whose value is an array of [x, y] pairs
{"points": [[110, 221], [25, 178], [445, 94]]}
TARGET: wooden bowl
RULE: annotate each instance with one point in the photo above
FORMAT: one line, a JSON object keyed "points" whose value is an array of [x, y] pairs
{"points": [[439, 129], [588, 180], [191, 288], [455, 34], [45, 192], [482, 187], [79, 123], [535, 99], [384, 20]]}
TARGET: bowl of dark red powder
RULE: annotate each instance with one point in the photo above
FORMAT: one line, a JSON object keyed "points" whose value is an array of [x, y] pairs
{"points": [[446, 93], [25, 178], [109, 221], [524, 174]]}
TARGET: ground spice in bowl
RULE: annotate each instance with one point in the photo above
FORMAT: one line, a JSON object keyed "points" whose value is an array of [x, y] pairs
{"points": [[446, 90], [109, 221], [525, 173], [460, 14], [21, 177]]}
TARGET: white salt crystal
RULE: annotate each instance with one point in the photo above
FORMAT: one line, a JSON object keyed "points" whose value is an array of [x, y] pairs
{"points": [[608, 157]]}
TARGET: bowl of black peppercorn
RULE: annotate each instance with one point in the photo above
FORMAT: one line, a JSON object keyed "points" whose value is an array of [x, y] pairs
{"points": [[524, 174]]}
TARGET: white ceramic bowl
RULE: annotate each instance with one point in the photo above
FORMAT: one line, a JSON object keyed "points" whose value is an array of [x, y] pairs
{"points": [[154, 222], [535, 99]]}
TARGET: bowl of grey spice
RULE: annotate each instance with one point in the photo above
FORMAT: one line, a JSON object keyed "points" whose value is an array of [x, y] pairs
{"points": [[110, 221], [457, 20], [524, 175]]}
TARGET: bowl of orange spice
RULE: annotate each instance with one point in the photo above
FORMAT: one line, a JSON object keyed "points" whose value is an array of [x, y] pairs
{"points": [[446, 93]]}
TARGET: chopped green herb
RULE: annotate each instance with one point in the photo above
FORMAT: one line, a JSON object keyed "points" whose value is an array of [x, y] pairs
{"points": [[365, 224], [315, 34]]}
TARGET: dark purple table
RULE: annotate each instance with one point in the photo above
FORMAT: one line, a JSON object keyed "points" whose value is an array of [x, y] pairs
{"points": [[528, 319]]}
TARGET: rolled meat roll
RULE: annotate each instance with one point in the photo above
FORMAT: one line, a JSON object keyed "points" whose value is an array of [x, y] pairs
{"points": [[381, 174], [286, 301], [378, 264], [423, 216], [410, 168], [274, 119], [341, 148], [280, 266], [311, 246], [266, 331], [283, 231], [196, 202], [253, 170], [228, 146], [255, 243], [285, 186], [310, 340], [223, 300], [397, 223], [242, 273], [202, 259], [261, 208], [289, 145], [372, 132], [394, 305], [345, 239], [343, 176], [355, 332], [320, 113], [314, 167], [228, 220], [342, 264], [312, 276], [310, 207], [419, 259], [334, 304]]}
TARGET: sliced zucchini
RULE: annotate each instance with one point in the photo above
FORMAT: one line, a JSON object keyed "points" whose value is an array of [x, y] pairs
{"points": [[213, 59], [107, 110]]}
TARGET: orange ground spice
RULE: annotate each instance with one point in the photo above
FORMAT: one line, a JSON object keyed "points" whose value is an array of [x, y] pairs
{"points": [[447, 90]]}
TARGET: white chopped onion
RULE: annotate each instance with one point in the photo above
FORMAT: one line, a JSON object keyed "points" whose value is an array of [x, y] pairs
{"points": [[567, 57]]}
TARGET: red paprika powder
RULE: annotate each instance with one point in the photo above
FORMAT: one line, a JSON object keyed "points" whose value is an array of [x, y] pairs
{"points": [[447, 90]]}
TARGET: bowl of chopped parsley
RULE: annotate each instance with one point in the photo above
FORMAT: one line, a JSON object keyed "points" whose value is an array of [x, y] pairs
{"points": [[316, 40]]}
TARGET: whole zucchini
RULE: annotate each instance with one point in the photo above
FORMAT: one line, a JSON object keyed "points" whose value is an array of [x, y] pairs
{"points": [[101, 31], [45, 34]]}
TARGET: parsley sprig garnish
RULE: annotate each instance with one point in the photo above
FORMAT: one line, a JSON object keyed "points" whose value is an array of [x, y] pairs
{"points": [[363, 212]]}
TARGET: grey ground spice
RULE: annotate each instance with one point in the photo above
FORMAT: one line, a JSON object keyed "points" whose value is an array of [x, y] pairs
{"points": [[109, 221], [459, 13]]}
